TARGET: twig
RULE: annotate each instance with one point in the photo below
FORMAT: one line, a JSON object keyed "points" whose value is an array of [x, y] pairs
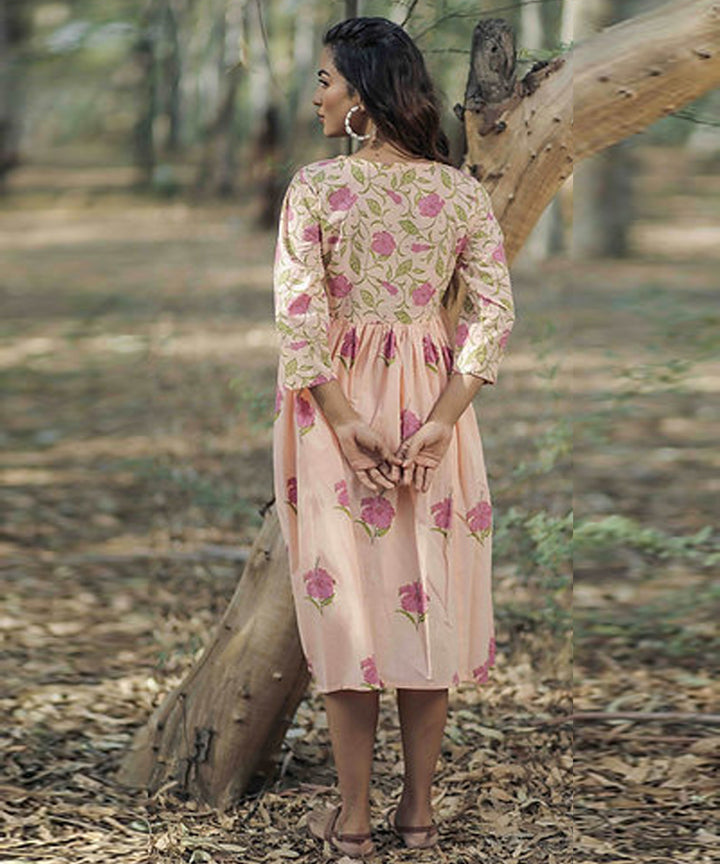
{"points": [[634, 717], [209, 552]]}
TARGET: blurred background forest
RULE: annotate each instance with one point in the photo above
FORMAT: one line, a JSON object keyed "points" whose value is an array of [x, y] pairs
{"points": [[144, 148]]}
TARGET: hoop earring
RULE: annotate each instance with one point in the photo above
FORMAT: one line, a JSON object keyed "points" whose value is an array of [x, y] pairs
{"points": [[348, 127]]}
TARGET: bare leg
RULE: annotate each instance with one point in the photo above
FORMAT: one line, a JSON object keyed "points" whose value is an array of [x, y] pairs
{"points": [[423, 714], [352, 719]]}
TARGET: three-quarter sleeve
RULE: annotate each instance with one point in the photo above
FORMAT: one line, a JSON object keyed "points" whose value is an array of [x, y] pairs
{"points": [[302, 315], [488, 312]]}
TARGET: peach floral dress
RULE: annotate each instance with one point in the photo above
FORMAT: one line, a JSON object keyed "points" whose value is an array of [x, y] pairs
{"points": [[391, 589]]}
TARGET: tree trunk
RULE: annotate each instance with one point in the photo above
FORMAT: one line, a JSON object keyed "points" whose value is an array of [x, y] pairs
{"points": [[233, 708], [14, 28], [228, 717], [144, 53], [172, 75], [217, 170]]}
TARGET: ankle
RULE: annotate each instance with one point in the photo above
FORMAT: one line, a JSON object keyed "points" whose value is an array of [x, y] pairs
{"points": [[354, 813], [413, 804]]}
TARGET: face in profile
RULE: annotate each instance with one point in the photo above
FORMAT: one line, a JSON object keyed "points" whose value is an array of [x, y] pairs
{"points": [[332, 101]]}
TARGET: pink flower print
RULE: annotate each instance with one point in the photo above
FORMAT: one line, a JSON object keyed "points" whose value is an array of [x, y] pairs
{"points": [[389, 346], [371, 677], [390, 288], [414, 601], [447, 353], [311, 234], [461, 334], [343, 498], [431, 204], [301, 343], [291, 487], [305, 413], [332, 241], [278, 401], [319, 587], [480, 674], [299, 305], [339, 286], [319, 379], [499, 253], [420, 247], [430, 352], [479, 520], [383, 243], [456, 680], [342, 199], [480, 517], [504, 338], [409, 423], [461, 244], [421, 296], [348, 349], [395, 197], [442, 515], [413, 597], [376, 515]]}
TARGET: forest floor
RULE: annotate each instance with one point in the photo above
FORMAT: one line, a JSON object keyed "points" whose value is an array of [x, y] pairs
{"points": [[137, 356]]}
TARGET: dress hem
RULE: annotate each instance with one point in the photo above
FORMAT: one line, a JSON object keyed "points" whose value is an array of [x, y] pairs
{"points": [[393, 685]]}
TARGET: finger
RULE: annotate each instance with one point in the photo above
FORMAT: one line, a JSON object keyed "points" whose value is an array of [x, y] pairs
{"points": [[412, 450], [407, 475], [380, 478], [420, 478], [387, 454], [363, 477], [391, 472], [428, 479]]}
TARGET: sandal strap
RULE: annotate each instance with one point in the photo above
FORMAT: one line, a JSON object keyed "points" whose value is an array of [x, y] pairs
{"points": [[416, 829], [331, 833], [352, 838]]}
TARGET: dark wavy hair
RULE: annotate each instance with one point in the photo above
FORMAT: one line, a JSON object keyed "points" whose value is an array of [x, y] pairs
{"points": [[381, 62]]}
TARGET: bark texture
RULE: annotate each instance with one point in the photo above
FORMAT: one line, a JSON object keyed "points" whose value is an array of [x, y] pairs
{"points": [[225, 721]]}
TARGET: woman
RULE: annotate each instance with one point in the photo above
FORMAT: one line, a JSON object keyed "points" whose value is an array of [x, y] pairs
{"points": [[379, 473]]}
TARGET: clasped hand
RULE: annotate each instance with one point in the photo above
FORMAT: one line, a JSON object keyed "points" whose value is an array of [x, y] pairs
{"points": [[377, 467]]}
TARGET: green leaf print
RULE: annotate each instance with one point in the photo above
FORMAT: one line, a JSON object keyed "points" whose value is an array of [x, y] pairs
{"points": [[374, 206], [291, 367], [445, 177], [357, 173], [408, 176], [408, 226], [461, 212], [404, 268], [355, 263], [368, 298], [439, 266], [403, 316]]}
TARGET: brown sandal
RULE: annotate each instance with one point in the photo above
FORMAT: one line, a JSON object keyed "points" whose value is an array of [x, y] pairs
{"points": [[409, 834], [322, 825]]}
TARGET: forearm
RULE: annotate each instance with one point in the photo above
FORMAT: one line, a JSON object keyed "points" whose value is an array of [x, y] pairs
{"points": [[459, 392], [333, 403]]}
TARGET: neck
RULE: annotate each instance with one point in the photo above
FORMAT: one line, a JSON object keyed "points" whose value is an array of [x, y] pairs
{"points": [[382, 149]]}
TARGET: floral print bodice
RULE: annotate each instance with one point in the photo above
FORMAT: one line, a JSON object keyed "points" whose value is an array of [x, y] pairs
{"points": [[361, 242]]}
